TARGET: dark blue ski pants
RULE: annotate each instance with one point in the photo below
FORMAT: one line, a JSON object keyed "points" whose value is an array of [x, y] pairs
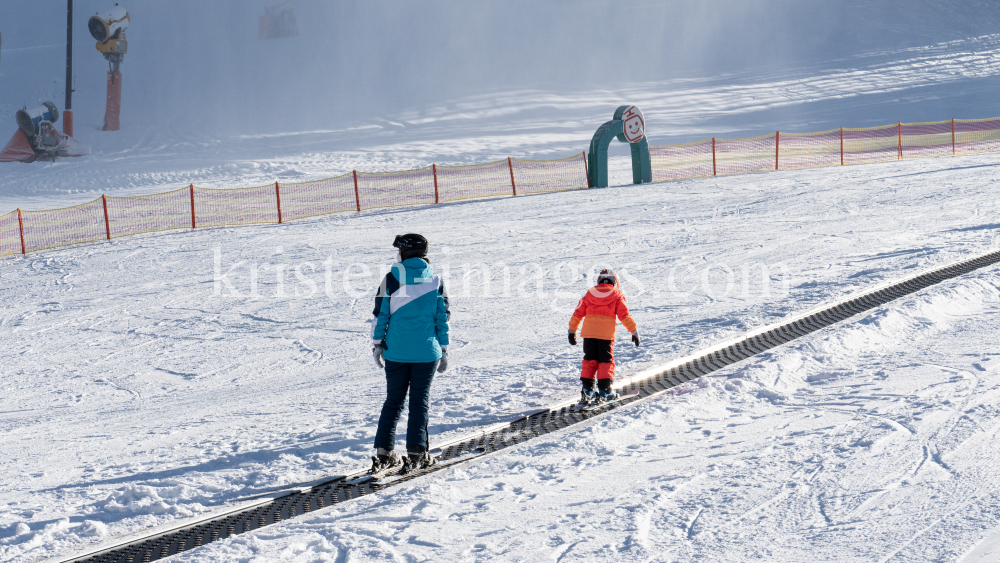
{"points": [[400, 377]]}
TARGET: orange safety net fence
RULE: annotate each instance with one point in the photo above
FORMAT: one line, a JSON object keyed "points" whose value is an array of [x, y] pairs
{"points": [[926, 140], [740, 156], [676, 162], [320, 197], [192, 207], [456, 183], [149, 213], [240, 206], [535, 177], [871, 144], [10, 234], [808, 150], [62, 227], [977, 135], [394, 189], [789, 151], [110, 217]]}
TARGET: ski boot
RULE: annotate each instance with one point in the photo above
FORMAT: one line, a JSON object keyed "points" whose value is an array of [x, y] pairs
{"points": [[415, 461], [607, 395], [587, 396], [385, 460]]}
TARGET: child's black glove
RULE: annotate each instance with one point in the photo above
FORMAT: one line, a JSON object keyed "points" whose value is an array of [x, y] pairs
{"points": [[572, 338], [635, 337]]}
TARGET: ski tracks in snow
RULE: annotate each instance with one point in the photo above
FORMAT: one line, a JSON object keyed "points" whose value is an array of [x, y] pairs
{"points": [[645, 516], [149, 382]]}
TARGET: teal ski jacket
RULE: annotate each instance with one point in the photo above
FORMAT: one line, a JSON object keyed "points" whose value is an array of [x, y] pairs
{"points": [[411, 313]]}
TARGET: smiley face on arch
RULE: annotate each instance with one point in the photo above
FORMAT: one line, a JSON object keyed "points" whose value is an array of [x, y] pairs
{"points": [[634, 124]]}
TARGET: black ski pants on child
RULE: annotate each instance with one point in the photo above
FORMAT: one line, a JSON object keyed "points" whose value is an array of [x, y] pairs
{"points": [[598, 363]]}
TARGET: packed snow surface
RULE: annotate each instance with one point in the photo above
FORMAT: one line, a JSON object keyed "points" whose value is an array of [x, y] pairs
{"points": [[161, 377], [155, 379]]}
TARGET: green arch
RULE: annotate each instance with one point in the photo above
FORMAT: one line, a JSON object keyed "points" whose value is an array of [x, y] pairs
{"points": [[597, 163]]}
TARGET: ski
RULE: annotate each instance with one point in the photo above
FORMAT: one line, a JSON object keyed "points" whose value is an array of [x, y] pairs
{"points": [[602, 404]]}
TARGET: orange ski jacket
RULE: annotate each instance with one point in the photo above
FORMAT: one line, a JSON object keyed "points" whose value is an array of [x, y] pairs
{"points": [[600, 306]]}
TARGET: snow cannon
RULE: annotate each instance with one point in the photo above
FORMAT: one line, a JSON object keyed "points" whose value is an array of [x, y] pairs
{"points": [[110, 34], [30, 121], [42, 136], [109, 31], [36, 137]]}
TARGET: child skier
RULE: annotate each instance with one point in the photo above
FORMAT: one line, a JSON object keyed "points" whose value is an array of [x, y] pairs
{"points": [[600, 306]]}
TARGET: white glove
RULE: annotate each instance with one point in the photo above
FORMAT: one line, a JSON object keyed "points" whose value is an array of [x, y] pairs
{"points": [[377, 353]]}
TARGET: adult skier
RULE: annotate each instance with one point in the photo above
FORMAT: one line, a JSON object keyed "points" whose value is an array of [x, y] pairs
{"points": [[597, 310], [410, 332]]}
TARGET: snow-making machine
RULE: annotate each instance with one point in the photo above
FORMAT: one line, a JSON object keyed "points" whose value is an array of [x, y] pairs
{"points": [[37, 138], [109, 31], [37, 126]]}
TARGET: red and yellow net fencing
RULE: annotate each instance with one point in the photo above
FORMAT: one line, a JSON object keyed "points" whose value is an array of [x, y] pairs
{"points": [[836, 147], [536, 177], [676, 162], [312, 199], [149, 213], [740, 156], [10, 234], [455, 183], [60, 227], [192, 207]]}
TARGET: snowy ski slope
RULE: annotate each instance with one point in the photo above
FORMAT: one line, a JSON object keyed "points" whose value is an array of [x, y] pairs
{"points": [[139, 388], [136, 395]]}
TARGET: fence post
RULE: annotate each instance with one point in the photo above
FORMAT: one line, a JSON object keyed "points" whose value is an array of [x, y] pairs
{"points": [[777, 139], [586, 170], [357, 198], [277, 195], [107, 224], [20, 225], [841, 146], [511, 167], [713, 157], [434, 167], [953, 136], [899, 129], [192, 207]]}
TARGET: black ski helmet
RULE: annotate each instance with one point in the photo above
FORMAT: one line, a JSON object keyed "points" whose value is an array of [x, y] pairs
{"points": [[410, 245], [607, 276]]}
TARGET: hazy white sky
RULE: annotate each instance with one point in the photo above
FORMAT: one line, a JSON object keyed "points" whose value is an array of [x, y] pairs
{"points": [[199, 63]]}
